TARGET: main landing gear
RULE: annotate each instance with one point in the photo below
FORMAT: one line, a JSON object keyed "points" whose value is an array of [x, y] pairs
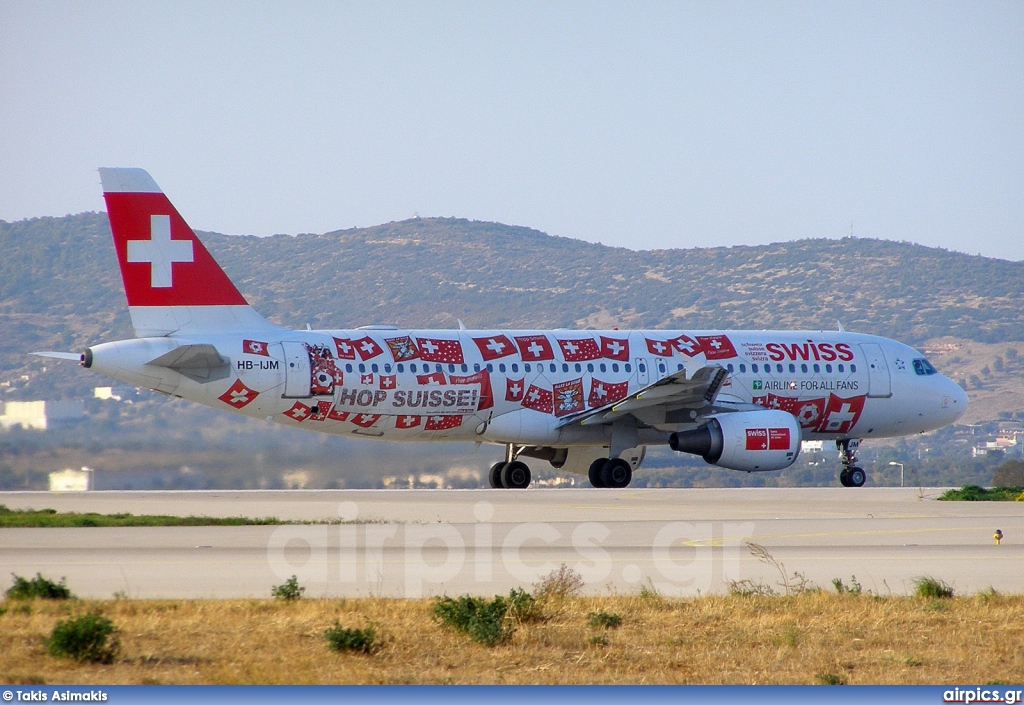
{"points": [[613, 473], [510, 474], [851, 475]]}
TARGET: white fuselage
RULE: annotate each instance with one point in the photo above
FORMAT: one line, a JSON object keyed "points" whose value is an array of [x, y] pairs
{"points": [[488, 385]]}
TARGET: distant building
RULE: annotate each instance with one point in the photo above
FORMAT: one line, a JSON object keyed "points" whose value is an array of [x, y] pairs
{"points": [[40, 414], [115, 393], [71, 480]]}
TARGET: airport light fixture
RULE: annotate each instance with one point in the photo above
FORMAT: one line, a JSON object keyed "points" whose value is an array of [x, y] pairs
{"points": [[901, 471]]}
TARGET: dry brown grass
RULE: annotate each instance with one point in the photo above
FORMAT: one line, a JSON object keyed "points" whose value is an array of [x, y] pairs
{"points": [[801, 639]]}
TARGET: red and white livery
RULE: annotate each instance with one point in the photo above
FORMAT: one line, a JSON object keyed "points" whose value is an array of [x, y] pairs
{"points": [[588, 402]]}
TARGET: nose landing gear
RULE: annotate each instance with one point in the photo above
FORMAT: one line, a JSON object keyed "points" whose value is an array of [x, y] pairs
{"points": [[850, 475]]}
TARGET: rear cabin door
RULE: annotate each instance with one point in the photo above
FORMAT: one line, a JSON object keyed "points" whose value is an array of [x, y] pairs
{"points": [[297, 379], [879, 382]]}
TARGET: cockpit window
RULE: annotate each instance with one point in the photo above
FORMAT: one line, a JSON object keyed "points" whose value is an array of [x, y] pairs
{"points": [[923, 367]]}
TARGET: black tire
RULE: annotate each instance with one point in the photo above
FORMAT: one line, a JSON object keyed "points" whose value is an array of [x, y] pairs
{"points": [[516, 475], [494, 476], [844, 478], [616, 473], [595, 472], [857, 477]]}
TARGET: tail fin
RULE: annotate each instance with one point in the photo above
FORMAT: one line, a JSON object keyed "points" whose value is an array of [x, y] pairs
{"points": [[172, 283]]}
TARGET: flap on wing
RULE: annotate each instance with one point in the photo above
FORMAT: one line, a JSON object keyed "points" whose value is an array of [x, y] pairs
{"points": [[675, 391], [200, 362]]}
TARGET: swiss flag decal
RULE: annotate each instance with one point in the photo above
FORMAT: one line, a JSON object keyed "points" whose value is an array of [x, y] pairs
{"points": [[579, 350], [346, 351], [255, 347], [686, 345], [615, 348], [514, 389], [365, 420], [442, 423], [388, 381], [432, 378], [238, 395], [661, 348], [533, 348], [408, 421], [367, 348], [539, 399], [299, 412], [495, 346], [602, 393], [437, 350], [716, 347]]}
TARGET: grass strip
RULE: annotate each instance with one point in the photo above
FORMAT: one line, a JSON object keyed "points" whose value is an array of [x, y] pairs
{"points": [[51, 518], [974, 493]]}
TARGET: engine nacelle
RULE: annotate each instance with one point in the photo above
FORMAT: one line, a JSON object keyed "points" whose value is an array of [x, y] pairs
{"points": [[744, 440]]}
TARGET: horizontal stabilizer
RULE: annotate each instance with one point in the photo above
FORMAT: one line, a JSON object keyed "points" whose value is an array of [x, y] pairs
{"points": [[77, 357], [200, 362]]}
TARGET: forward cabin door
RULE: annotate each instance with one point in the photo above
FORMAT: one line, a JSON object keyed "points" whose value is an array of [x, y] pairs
{"points": [[297, 373], [879, 382]]}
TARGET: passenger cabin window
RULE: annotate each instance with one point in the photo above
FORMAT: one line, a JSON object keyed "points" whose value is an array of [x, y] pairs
{"points": [[578, 367], [629, 368], [792, 367], [743, 367], [642, 367], [803, 367], [853, 368], [565, 367], [401, 368], [828, 368], [840, 367], [730, 368], [604, 367], [362, 367], [501, 367], [348, 367], [590, 367], [515, 367], [817, 367], [753, 367], [615, 367], [778, 367], [923, 367]]}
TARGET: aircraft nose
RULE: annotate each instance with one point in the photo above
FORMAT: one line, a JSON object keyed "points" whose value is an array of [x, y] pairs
{"points": [[954, 399]]}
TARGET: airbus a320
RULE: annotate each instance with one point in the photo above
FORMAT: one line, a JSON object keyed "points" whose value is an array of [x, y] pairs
{"points": [[587, 402]]}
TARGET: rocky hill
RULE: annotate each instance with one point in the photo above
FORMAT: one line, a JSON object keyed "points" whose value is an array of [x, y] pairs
{"points": [[60, 288]]}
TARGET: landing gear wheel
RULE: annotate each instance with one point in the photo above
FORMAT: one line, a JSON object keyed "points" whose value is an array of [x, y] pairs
{"points": [[856, 477], [495, 475], [844, 478], [595, 472], [616, 473], [515, 475]]}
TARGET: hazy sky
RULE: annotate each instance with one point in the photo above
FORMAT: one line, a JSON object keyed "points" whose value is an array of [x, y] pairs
{"points": [[637, 124]]}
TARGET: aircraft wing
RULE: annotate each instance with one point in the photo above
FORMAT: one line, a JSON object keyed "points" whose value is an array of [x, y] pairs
{"points": [[672, 392]]}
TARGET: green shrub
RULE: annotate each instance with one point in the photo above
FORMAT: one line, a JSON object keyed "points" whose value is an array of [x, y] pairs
{"points": [[854, 588], [831, 679], [599, 619], [38, 587], [288, 590], [927, 586], [363, 640], [488, 622], [90, 637]]}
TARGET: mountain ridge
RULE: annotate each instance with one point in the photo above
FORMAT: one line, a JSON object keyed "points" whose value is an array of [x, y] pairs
{"points": [[60, 287]]}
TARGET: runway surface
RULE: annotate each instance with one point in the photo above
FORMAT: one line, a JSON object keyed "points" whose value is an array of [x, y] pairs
{"points": [[411, 543]]}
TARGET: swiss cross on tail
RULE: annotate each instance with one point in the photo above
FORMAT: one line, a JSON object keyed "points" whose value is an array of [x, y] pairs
{"points": [[162, 262]]}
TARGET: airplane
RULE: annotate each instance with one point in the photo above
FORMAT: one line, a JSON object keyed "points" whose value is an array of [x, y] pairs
{"points": [[588, 402]]}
